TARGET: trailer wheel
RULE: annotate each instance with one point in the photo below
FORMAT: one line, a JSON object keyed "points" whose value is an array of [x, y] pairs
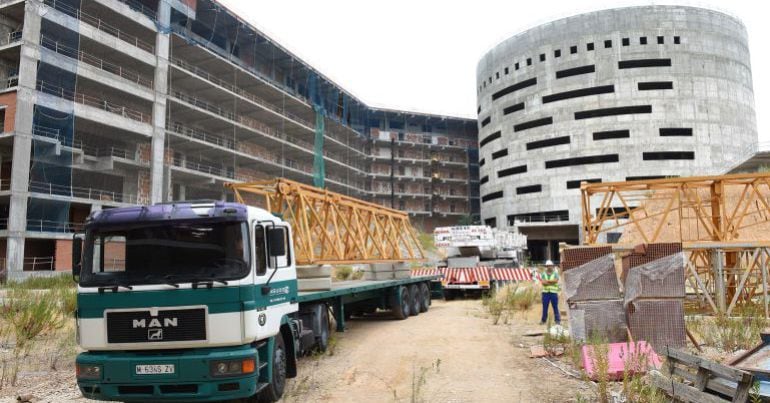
{"points": [[274, 389], [322, 340], [399, 303], [414, 292], [424, 297]]}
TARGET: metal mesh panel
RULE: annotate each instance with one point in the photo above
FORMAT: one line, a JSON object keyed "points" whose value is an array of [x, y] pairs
{"points": [[593, 280], [602, 319], [658, 322], [661, 278], [579, 256]]}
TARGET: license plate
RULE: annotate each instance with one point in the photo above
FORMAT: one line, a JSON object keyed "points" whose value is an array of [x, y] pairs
{"points": [[155, 369]]}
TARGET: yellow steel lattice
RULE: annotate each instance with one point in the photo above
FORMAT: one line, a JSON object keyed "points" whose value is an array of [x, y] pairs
{"points": [[331, 228]]}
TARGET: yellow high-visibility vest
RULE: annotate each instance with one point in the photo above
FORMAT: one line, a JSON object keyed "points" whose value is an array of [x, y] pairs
{"points": [[554, 288]]}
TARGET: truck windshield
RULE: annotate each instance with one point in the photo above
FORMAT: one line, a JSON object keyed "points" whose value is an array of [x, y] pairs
{"points": [[169, 253]]}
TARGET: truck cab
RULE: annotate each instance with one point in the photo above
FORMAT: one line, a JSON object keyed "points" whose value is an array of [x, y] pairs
{"points": [[185, 301]]}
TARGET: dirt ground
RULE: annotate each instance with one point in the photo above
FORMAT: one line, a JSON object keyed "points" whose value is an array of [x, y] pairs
{"points": [[453, 353]]}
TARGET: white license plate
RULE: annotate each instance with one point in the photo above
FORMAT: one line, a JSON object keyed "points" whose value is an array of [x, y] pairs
{"points": [[155, 369]]}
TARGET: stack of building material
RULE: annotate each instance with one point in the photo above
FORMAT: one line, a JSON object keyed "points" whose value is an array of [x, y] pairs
{"points": [[593, 294], [387, 271], [654, 294], [314, 278]]}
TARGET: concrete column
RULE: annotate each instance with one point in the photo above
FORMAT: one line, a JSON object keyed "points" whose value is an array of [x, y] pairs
{"points": [[162, 52], [22, 139]]}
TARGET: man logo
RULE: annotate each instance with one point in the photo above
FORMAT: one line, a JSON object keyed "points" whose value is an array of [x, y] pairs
{"points": [[262, 319], [155, 322], [155, 334]]}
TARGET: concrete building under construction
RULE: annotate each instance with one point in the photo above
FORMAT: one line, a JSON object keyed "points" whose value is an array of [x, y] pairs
{"points": [[113, 102]]}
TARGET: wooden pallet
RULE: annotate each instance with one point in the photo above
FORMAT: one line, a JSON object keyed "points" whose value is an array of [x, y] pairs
{"points": [[695, 379]]}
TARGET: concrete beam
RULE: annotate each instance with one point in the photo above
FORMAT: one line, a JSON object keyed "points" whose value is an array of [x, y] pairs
{"points": [[160, 184]]}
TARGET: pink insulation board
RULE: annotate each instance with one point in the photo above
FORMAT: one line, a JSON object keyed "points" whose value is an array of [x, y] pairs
{"points": [[635, 357]]}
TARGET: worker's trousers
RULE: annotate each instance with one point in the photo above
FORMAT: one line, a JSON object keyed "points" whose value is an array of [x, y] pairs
{"points": [[551, 298]]}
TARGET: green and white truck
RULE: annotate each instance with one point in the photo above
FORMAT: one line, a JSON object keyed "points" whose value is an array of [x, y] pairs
{"points": [[199, 302]]}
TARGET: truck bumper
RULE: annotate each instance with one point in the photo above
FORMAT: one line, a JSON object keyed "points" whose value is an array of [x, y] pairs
{"points": [[191, 379]]}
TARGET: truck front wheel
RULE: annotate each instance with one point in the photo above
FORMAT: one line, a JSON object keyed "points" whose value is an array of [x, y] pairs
{"points": [[274, 390]]}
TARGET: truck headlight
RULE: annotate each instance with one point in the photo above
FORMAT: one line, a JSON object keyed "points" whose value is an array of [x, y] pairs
{"points": [[233, 367], [88, 371]]}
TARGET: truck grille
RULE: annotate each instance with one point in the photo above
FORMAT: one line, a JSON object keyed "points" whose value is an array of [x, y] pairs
{"points": [[170, 325]]}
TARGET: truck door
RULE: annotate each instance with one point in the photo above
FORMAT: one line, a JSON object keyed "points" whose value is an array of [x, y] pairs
{"points": [[276, 279]]}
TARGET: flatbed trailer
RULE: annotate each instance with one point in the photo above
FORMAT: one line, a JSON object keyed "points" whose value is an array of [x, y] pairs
{"points": [[356, 297]]}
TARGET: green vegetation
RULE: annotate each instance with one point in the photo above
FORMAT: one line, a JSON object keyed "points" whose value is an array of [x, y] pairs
{"points": [[502, 303], [426, 241], [730, 334], [43, 282]]}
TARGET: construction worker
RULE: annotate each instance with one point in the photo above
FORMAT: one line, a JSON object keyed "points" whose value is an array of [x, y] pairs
{"points": [[550, 281]]}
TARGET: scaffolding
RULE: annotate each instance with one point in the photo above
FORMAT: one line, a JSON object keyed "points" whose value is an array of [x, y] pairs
{"points": [[331, 228], [721, 222]]}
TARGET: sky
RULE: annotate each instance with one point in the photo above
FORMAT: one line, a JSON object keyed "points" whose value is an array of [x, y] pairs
{"points": [[421, 55]]}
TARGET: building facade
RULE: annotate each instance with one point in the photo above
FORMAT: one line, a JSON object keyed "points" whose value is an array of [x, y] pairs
{"points": [[108, 103], [614, 95]]}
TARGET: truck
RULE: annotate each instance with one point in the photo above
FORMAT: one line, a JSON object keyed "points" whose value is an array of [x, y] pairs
{"points": [[198, 301], [472, 253]]}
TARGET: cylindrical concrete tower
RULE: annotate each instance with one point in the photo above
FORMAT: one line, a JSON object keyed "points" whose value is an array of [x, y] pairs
{"points": [[614, 95]]}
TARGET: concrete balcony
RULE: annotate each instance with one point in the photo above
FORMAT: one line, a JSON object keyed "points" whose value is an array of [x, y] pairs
{"points": [[53, 191], [96, 69], [93, 108], [99, 31]]}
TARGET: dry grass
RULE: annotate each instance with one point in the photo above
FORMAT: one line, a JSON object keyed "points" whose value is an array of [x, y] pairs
{"points": [[729, 334], [37, 334], [503, 303]]}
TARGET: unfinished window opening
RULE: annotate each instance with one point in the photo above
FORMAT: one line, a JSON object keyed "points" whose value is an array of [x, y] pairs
{"points": [[486, 121], [675, 132], [626, 41], [515, 87], [532, 124], [582, 92], [486, 140], [491, 196], [513, 108], [576, 71], [556, 141], [621, 110], [642, 40], [557, 53], [590, 46], [641, 63], [668, 155], [608, 43], [511, 171], [612, 134], [499, 154], [656, 85], [576, 183], [587, 160], [522, 190]]}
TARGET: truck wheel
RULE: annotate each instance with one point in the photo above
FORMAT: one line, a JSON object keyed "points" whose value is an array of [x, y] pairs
{"points": [[399, 303], [322, 340], [414, 292], [424, 297], [274, 390]]}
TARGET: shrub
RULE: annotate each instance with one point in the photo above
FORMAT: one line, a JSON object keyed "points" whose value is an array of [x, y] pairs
{"points": [[30, 316], [342, 273], [43, 282]]}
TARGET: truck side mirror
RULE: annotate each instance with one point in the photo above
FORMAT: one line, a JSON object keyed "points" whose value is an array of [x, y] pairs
{"points": [[276, 241], [77, 255]]}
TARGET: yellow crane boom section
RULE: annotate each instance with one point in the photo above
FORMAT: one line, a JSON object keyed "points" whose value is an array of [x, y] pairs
{"points": [[331, 228]]}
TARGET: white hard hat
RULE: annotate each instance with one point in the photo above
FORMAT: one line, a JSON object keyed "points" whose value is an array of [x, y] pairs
{"points": [[549, 262]]}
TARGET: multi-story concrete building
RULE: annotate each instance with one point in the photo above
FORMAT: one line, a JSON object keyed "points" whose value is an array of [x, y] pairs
{"points": [[114, 102], [614, 95]]}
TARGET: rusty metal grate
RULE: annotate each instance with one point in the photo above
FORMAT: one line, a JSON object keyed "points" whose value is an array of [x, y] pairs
{"points": [[575, 257], [658, 322]]}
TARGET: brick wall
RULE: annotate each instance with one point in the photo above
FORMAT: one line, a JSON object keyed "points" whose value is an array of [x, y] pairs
{"points": [[9, 100]]}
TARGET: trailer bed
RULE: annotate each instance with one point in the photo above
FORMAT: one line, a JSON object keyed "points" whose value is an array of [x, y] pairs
{"points": [[351, 287]]}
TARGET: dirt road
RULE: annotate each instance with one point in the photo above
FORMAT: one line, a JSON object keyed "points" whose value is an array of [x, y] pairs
{"points": [[452, 353]]}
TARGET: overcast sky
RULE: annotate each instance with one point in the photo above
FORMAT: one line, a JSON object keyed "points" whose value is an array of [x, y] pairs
{"points": [[421, 55]]}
